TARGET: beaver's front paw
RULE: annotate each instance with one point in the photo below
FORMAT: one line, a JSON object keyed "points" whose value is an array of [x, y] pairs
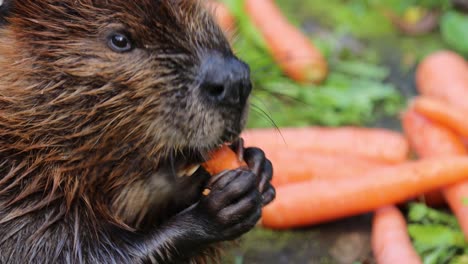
{"points": [[233, 206], [261, 166]]}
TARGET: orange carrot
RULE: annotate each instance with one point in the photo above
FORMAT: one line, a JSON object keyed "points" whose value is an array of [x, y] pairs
{"points": [[456, 196], [390, 239], [434, 140], [223, 15], [296, 166], [317, 201], [374, 144], [443, 113], [292, 50], [429, 139], [444, 75], [222, 159]]}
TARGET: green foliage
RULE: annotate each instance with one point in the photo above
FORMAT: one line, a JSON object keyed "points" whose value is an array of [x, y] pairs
{"points": [[354, 93], [454, 29], [400, 6], [436, 236], [358, 17]]}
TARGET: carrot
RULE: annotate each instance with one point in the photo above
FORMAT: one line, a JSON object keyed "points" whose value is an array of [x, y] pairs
{"points": [[293, 51], [390, 239], [374, 144], [456, 196], [296, 166], [223, 16], [429, 139], [320, 200], [444, 75], [222, 159], [434, 140], [443, 113]]}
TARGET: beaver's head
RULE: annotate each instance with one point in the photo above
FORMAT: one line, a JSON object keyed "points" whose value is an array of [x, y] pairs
{"points": [[152, 74]]}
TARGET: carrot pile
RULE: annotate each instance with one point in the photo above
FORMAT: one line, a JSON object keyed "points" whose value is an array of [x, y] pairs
{"points": [[323, 174], [320, 200]]}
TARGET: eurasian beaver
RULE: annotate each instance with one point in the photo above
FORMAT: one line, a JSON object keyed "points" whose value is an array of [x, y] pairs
{"points": [[106, 109]]}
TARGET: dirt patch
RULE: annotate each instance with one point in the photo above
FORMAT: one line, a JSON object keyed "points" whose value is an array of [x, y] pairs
{"points": [[341, 242]]}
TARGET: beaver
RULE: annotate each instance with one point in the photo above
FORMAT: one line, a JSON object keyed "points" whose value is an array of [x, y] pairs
{"points": [[107, 108]]}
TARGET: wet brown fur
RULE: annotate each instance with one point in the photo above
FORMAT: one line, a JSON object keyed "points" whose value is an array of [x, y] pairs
{"points": [[87, 135]]}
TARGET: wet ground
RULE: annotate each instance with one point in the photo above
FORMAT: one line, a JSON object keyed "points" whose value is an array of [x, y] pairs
{"points": [[342, 242]]}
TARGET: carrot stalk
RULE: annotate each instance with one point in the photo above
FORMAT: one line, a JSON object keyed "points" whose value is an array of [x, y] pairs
{"points": [[444, 75], [297, 166], [292, 50], [374, 144], [443, 113], [316, 201], [390, 239]]}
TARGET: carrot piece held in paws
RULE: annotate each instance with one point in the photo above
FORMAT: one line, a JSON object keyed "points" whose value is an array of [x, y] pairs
{"points": [[317, 201], [222, 159], [293, 51], [390, 240]]}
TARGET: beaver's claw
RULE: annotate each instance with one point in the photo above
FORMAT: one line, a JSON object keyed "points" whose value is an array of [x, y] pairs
{"points": [[260, 165]]}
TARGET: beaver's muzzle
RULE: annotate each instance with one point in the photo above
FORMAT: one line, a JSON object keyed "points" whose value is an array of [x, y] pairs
{"points": [[225, 80]]}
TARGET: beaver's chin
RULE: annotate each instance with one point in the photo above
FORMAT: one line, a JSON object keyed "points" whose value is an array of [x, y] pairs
{"points": [[187, 161]]}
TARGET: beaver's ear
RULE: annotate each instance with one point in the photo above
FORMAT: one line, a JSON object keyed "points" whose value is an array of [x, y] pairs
{"points": [[5, 6]]}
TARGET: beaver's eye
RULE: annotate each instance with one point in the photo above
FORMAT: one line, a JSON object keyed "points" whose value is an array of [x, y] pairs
{"points": [[119, 42]]}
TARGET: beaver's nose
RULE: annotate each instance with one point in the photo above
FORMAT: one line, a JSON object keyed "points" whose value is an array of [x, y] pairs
{"points": [[225, 80]]}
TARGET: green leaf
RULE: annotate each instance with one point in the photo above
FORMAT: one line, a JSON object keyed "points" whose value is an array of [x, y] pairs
{"points": [[362, 69], [440, 255], [433, 236], [419, 213], [454, 29]]}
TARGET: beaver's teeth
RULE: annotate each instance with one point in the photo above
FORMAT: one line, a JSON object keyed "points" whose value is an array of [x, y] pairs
{"points": [[192, 170], [188, 171]]}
